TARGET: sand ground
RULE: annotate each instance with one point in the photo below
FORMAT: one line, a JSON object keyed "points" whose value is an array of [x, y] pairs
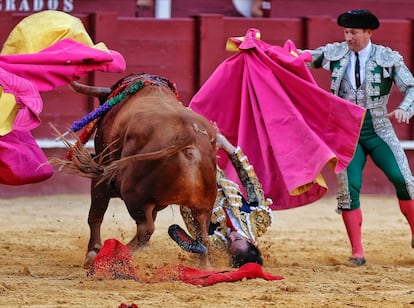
{"points": [[44, 239]]}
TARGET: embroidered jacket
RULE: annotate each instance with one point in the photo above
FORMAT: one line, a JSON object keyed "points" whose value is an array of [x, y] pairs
{"points": [[253, 215], [383, 67]]}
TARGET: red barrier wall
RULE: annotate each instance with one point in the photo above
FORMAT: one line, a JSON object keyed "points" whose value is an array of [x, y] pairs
{"points": [[187, 51]]}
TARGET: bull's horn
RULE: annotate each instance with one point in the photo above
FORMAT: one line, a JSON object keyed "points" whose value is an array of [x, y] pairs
{"points": [[90, 90]]}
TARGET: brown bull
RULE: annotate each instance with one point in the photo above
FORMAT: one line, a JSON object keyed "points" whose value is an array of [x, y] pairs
{"points": [[151, 151]]}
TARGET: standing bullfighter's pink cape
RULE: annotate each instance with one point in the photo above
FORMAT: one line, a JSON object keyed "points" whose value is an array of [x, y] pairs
{"points": [[265, 99]]}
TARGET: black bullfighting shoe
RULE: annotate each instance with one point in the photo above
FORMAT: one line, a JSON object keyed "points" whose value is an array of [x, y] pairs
{"points": [[185, 241]]}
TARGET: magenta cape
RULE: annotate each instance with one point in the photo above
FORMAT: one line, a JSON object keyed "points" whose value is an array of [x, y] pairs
{"points": [[22, 161], [265, 100]]}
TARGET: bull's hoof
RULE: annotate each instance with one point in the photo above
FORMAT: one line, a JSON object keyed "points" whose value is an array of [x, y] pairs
{"points": [[89, 259], [185, 241]]}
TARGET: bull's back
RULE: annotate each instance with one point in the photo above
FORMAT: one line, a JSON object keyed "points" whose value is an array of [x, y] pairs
{"points": [[140, 113]]}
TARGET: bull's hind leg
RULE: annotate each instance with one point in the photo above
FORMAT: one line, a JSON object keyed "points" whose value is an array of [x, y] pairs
{"points": [[100, 197], [144, 219], [202, 222]]}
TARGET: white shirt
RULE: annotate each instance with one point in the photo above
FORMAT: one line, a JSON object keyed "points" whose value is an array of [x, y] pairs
{"points": [[363, 56]]}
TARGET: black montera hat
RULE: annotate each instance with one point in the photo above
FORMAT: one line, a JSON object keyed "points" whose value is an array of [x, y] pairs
{"points": [[358, 19]]}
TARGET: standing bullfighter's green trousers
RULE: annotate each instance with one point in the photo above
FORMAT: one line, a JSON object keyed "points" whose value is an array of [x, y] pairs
{"points": [[383, 157]]}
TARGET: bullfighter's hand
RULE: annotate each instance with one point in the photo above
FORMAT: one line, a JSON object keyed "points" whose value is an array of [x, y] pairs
{"points": [[400, 115], [223, 143]]}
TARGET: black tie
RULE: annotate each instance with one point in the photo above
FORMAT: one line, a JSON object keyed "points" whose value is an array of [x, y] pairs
{"points": [[357, 77]]}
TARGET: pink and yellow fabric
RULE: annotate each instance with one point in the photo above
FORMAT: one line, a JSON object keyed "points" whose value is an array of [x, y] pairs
{"points": [[44, 51], [265, 100]]}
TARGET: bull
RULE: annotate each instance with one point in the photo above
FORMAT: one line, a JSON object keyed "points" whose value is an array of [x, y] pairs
{"points": [[151, 151]]}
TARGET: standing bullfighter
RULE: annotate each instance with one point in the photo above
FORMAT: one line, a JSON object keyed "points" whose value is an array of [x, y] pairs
{"points": [[363, 73]]}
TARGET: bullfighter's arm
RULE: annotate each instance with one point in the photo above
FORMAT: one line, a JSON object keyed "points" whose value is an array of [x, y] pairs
{"points": [[404, 80], [259, 217], [244, 170]]}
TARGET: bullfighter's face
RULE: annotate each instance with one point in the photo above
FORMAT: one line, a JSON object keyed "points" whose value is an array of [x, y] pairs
{"points": [[357, 39], [238, 242]]}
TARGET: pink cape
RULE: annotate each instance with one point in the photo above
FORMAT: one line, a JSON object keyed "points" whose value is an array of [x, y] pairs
{"points": [[265, 100], [21, 160], [24, 76]]}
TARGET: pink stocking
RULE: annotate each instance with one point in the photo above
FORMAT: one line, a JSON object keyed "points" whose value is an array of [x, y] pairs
{"points": [[407, 208], [353, 223]]}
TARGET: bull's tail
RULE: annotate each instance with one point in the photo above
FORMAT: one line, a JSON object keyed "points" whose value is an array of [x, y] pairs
{"points": [[112, 171], [81, 162], [84, 164]]}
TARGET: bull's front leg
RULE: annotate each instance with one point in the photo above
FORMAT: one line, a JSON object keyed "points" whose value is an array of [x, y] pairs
{"points": [[99, 204]]}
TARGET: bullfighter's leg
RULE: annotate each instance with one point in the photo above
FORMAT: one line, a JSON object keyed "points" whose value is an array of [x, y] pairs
{"points": [[99, 204], [145, 226]]}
